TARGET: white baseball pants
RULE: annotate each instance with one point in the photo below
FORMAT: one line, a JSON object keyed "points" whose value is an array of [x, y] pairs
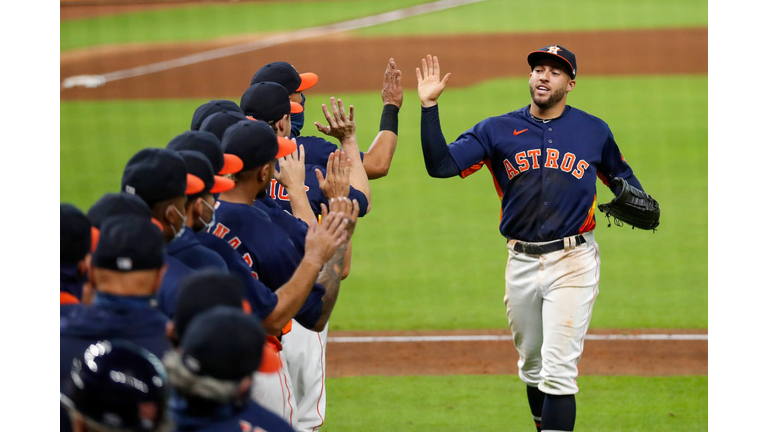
{"points": [[274, 392], [549, 300], [305, 352]]}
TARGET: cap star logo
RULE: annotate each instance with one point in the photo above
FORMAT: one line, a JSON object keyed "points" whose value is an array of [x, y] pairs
{"points": [[124, 263], [130, 189], [553, 49]]}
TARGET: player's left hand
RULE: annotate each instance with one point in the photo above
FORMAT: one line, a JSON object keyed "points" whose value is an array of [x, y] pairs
{"points": [[392, 90], [292, 173], [336, 182], [340, 125]]}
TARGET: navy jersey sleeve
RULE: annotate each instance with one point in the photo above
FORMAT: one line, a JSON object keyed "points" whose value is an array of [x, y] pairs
{"points": [[166, 295], [472, 147], [261, 298], [437, 158], [613, 164], [312, 308]]}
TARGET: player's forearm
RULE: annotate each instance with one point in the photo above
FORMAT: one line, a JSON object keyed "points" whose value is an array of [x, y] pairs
{"points": [[292, 295], [300, 206], [357, 176], [437, 158], [330, 278], [379, 156]]}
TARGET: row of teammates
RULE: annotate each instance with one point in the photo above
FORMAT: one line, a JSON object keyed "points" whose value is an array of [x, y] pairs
{"points": [[198, 297]]}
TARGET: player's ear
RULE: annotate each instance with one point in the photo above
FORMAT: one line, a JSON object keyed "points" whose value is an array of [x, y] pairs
{"points": [[571, 85]]}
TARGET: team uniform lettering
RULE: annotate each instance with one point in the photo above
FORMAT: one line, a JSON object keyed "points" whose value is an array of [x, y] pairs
{"points": [[220, 230], [235, 242], [553, 157], [278, 192]]}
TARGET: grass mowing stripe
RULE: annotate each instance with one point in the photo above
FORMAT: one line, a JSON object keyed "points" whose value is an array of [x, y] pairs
{"points": [[505, 16], [207, 21], [429, 256], [499, 403]]}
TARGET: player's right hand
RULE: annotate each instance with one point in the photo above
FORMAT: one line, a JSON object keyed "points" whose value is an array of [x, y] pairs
{"points": [[392, 89], [430, 85], [336, 182], [322, 241]]}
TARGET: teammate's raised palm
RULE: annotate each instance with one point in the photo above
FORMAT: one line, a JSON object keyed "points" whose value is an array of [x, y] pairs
{"points": [[429, 83]]}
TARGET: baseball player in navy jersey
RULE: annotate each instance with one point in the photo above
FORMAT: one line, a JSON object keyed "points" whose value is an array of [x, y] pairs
{"points": [[268, 248], [378, 158], [545, 159]]}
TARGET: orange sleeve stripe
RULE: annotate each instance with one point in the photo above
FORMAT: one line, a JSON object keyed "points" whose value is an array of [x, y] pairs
{"points": [[473, 169], [66, 298]]}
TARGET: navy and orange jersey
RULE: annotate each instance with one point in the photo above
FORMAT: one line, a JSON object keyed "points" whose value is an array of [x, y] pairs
{"points": [[166, 295], [314, 194], [267, 249], [317, 150], [262, 299], [293, 226], [188, 250], [545, 172]]}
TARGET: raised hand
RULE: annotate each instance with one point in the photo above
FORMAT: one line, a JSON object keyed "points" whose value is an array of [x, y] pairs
{"points": [[430, 86], [392, 89], [339, 125], [336, 182], [350, 209], [292, 173], [322, 241]]}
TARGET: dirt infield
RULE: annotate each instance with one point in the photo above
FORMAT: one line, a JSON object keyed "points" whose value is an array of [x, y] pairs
{"points": [[348, 63], [601, 357]]}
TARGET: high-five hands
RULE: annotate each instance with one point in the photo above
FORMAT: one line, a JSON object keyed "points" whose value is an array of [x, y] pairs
{"points": [[430, 86]]}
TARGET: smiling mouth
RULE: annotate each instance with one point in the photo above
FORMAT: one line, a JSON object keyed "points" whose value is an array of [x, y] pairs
{"points": [[541, 89]]}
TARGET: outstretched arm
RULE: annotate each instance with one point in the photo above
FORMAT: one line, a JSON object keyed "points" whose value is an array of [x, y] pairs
{"points": [[437, 158], [379, 156], [343, 127]]}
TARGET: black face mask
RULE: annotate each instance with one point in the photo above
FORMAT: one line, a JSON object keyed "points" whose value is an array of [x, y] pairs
{"points": [[297, 120]]}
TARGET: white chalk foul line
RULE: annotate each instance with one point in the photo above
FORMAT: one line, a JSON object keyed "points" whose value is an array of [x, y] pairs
{"points": [[479, 338], [91, 81]]}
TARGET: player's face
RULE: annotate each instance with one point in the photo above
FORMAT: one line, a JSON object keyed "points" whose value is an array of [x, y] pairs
{"points": [[548, 84]]}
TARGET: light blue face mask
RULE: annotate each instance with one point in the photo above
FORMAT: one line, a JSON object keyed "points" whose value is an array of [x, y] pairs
{"points": [[297, 120], [207, 226], [177, 234]]}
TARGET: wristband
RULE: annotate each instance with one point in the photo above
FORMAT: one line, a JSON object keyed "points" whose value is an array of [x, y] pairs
{"points": [[389, 118]]}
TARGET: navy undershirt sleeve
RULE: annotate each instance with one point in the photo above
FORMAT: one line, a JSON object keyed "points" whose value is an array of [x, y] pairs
{"points": [[437, 158]]}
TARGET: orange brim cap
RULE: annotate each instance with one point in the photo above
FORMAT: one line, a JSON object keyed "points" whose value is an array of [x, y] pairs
{"points": [[194, 185], [270, 360], [94, 238], [308, 79], [285, 147], [296, 108], [232, 164], [221, 184], [158, 224]]}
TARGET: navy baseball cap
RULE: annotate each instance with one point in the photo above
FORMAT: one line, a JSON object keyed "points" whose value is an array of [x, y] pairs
{"points": [[115, 204], [158, 174], [558, 52], [230, 358], [199, 166], [211, 107], [118, 385], [255, 143], [218, 123], [204, 290], [209, 145], [129, 243], [268, 101], [74, 234], [286, 75]]}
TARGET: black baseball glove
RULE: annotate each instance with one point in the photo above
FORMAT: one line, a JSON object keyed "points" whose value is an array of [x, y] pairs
{"points": [[632, 206]]}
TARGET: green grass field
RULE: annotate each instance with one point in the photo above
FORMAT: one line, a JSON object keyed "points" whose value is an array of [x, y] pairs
{"points": [[197, 23], [430, 256], [498, 403]]}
